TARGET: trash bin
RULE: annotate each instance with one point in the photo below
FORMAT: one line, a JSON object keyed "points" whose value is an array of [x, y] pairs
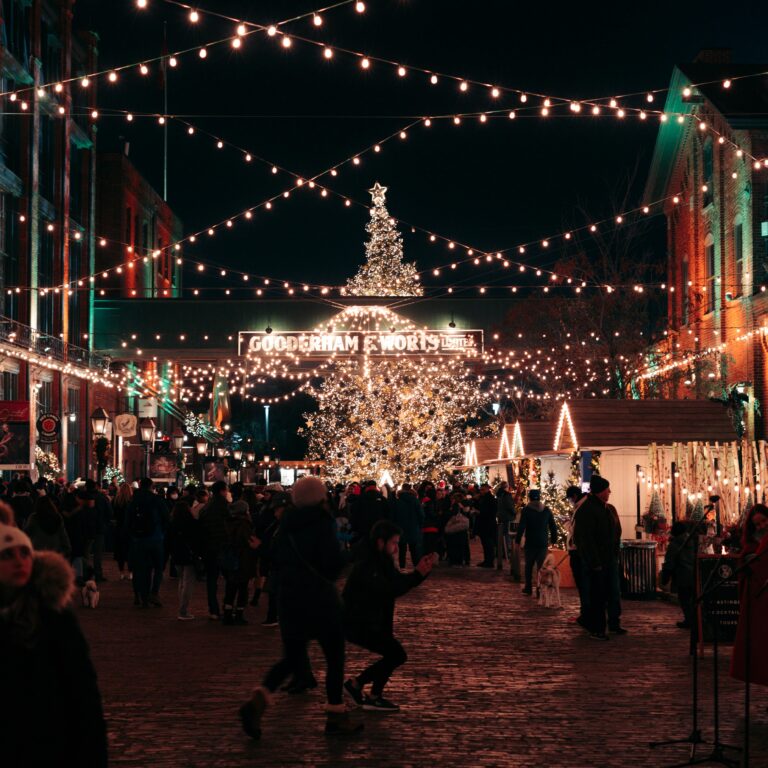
{"points": [[638, 569]]}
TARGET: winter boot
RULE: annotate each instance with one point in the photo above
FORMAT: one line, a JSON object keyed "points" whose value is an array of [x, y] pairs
{"points": [[239, 619], [252, 711], [228, 617], [341, 721]]}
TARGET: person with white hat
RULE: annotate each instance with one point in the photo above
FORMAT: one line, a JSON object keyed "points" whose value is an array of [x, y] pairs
{"points": [[56, 712]]}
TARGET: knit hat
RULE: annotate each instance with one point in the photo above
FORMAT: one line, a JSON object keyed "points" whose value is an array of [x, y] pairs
{"points": [[534, 494], [308, 491], [11, 536], [598, 484]]}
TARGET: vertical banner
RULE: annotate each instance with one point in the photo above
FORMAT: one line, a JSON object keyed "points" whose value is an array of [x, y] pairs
{"points": [[14, 435]]}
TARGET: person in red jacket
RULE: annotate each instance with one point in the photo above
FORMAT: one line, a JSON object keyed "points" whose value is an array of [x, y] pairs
{"points": [[754, 602]]}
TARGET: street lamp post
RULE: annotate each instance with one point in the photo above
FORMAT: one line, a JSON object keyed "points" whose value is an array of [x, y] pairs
{"points": [[237, 455], [202, 448], [99, 422], [177, 439], [147, 430]]}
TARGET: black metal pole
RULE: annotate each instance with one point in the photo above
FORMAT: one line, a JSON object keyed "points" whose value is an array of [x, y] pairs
{"points": [[674, 492], [638, 535]]}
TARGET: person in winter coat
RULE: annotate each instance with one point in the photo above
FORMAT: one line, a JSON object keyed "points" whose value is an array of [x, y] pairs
{"points": [[184, 546], [409, 516], [506, 514], [457, 531], [21, 501], [46, 529], [99, 521], [537, 524], [241, 562], [369, 609], [597, 536], [147, 523], [367, 511], [74, 525], [269, 526], [486, 527], [309, 561], [122, 539], [213, 530], [576, 497], [56, 715], [679, 569]]}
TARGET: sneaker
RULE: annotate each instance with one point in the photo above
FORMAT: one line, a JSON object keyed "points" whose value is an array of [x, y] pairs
{"points": [[355, 691], [598, 636], [185, 617], [341, 723], [269, 623], [379, 704], [251, 713], [618, 631]]}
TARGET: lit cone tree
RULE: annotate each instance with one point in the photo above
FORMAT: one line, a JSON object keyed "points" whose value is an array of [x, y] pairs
{"points": [[406, 419], [384, 272]]}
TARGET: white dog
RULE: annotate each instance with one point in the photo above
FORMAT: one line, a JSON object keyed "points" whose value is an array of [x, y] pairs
{"points": [[548, 584], [90, 594]]}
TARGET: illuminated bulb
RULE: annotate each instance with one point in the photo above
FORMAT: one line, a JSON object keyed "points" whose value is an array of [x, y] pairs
{"points": [[702, 126], [360, 6], [646, 209], [102, 242], [544, 111], [403, 134], [272, 30], [483, 118], [726, 84], [523, 98], [13, 97], [241, 30], [286, 41], [58, 87], [356, 160], [190, 130], [463, 86], [620, 113], [365, 63], [643, 116], [62, 110], [427, 122], [328, 53], [220, 145], [613, 103], [85, 82], [94, 114], [248, 215], [680, 119], [512, 115], [141, 3], [686, 92], [194, 17], [401, 71], [173, 61], [377, 148], [495, 93], [112, 77], [595, 110], [236, 42], [202, 53], [456, 120], [210, 232], [161, 120], [144, 69], [649, 98], [619, 219], [433, 79]]}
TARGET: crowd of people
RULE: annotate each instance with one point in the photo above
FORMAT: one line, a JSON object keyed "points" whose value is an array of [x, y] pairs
{"points": [[290, 547]]}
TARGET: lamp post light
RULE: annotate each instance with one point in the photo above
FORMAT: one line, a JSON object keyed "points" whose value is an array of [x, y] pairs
{"points": [[237, 455], [202, 448], [250, 457], [177, 440], [99, 422], [147, 432]]}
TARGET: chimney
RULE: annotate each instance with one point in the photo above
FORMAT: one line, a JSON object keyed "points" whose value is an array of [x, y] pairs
{"points": [[714, 56]]}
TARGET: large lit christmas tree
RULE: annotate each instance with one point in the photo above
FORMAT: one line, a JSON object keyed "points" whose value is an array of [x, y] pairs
{"points": [[384, 272], [403, 419]]}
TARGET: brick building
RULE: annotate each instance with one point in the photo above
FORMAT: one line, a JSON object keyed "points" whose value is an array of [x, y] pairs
{"points": [[47, 207], [136, 222], [717, 231]]}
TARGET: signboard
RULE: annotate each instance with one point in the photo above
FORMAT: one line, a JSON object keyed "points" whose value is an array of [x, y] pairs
{"points": [[125, 425], [313, 344], [721, 607], [49, 427], [162, 466], [147, 408], [14, 434]]}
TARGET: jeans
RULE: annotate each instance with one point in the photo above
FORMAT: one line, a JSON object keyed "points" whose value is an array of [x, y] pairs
{"points": [[235, 591], [599, 589], [296, 632], [533, 555], [407, 543], [147, 567], [212, 584], [393, 655], [187, 579]]}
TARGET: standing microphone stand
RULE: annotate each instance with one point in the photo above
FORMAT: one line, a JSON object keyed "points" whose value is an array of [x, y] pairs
{"points": [[694, 737]]}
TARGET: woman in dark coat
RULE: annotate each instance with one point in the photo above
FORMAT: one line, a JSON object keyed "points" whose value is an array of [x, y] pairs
{"points": [[56, 716], [184, 546], [239, 562], [45, 528]]}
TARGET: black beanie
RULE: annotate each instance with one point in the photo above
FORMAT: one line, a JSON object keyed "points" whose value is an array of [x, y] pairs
{"points": [[598, 484]]}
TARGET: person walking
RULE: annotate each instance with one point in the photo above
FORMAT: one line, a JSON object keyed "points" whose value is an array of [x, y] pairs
{"points": [[99, 519], [409, 516], [486, 526], [537, 525], [456, 531], [369, 609], [46, 529], [369, 509], [506, 514], [597, 536], [122, 538], [679, 569], [213, 530], [239, 562], [575, 497], [54, 712], [309, 561], [184, 546], [147, 521]]}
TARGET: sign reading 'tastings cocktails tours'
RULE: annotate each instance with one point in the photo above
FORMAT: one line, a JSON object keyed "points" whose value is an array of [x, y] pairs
{"points": [[354, 343]]}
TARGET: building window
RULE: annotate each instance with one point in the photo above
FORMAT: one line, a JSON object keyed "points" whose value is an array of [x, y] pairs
{"points": [[9, 381], [73, 430], [738, 259], [711, 286], [684, 289], [707, 173], [45, 397]]}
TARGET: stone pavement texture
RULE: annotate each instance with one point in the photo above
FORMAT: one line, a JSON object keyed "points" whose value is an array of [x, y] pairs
{"points": [[492, 680]]}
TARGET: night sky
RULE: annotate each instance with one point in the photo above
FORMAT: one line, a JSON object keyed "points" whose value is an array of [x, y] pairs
{"points": [[491, 185]]}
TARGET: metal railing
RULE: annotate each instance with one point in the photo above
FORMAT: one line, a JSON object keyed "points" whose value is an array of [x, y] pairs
{"points": [[25, 337]]}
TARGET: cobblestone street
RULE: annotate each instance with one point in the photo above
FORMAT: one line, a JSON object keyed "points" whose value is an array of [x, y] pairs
{"points": [[492, 680]]}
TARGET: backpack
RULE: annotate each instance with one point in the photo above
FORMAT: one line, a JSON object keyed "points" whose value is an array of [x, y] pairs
{"points": [[142, 522]]}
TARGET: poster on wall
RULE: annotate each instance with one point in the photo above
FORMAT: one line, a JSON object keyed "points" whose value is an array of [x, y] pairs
{"points": [[14, 434], [162, 466], [213, 471]]}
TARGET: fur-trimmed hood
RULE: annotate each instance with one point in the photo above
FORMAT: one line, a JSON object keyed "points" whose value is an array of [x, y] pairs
{"points": [[52, 580]]}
